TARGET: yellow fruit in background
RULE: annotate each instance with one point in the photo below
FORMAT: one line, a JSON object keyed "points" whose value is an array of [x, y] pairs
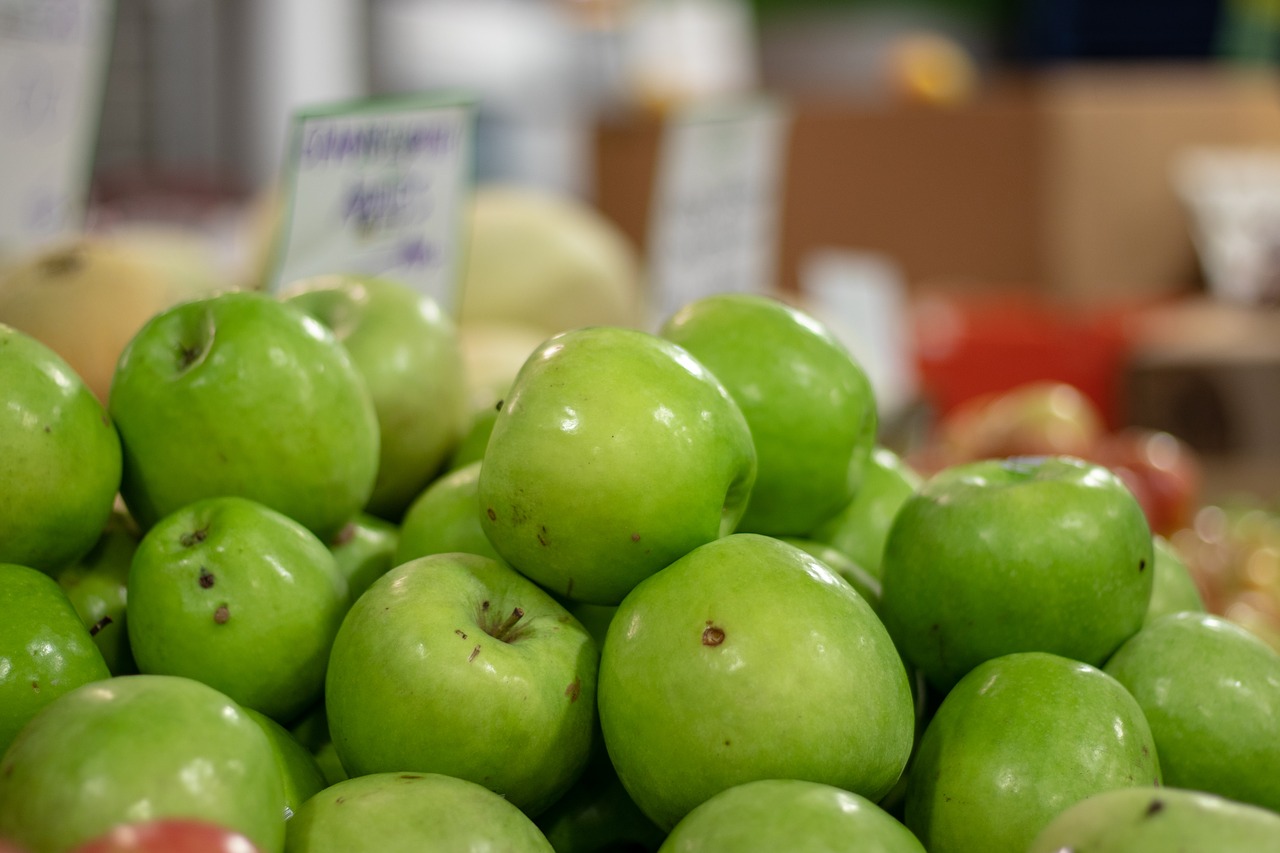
{"points": [[85, 298], [493, 353], [547, 260]]}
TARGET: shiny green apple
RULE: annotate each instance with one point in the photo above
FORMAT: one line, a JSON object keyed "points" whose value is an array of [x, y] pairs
{"points": [[299, 770], [96, 585], [861, 527], [45, 649], [770, 815], [809, 404], [365, 550], [445, 517], [138, 747], [615, 453], [1173, 589], [1023, 554], [240, 394], [1160, 820], [456, 664], [749, 659], [411, 813], [1019, 739], [407, 350], [61, 458], [232, 593], [1211, 691]]}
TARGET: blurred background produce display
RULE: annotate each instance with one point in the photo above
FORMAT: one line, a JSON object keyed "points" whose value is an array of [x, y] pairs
{"points": [[1042, 227]]}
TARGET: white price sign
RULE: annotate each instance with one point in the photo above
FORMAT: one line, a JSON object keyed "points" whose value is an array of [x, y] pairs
{"points": [[53, 59], [715, 212], [378, 187]]}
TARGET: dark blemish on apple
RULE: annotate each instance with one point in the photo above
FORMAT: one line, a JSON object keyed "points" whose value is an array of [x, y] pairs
{"points": [[542, 539], [99, 625], [712, 636], [339, 801], [46, 429], [194, 537], [1142, 565], [206, 579], [221, 615], [568, 588], [411, 776], [473, 654], [498, 406], [62, 263], [35, 685], [635, 537], [493, 516], [461, 633], [345, 535], [1155, 808], [574, 690], [726, 743], [484, 606]]}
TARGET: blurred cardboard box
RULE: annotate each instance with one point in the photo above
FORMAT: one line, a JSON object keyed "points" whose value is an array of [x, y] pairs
{"points": [[1058, 182]]}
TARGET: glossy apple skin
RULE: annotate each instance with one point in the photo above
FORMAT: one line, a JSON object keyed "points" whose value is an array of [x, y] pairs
{"points": [[1025, 554], [860, 529], [809, 404], [62, 458], [169, 836], [232, 593], [1016, 741], [240, 394], [133, 746], [615, 453], [299, 770], [446, 517], [411, 813], [1211, 692], [45, 650], [749, 659], [418, 680], [96, 585], [364, 550], [769, 815], [407, 350], [867, 585], [1173, 589], [1158, 820]]}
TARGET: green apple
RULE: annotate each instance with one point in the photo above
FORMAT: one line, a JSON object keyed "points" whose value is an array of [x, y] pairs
{"points": [[444, 518], [407, 350], [1022, 554], [867, 585], [809, 404], [456, 664], [312, 731], [240, 394], [232, 593], [1019, 739], [1211, 691], [615, 453], [749, 659], [1173, 589], [45, 650], [862, 526], [411, 813], [365, 550], [137, 747], [299, 769], [96, 585], [1159, 820], [472, 445], [769, 815], [62, 461]]}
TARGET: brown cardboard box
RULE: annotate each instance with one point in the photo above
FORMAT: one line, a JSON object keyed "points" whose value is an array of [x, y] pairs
{"points": [[1058, 182]]}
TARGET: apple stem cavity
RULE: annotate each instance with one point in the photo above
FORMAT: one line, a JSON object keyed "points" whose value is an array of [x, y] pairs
{"points": [[504, 629]]}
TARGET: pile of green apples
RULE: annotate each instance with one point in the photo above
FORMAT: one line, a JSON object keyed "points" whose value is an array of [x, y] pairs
{"points": [[287, 591]]}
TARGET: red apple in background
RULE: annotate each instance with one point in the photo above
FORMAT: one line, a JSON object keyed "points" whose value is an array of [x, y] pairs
{"points": [[1161, 469], [1045, 418], [168, 836]]}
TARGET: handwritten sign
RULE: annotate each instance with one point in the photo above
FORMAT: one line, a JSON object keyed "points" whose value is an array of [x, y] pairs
{"points": [[715, 211], [378, 188], [53, 58]]}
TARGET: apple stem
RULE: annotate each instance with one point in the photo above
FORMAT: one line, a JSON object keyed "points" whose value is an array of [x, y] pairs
{"points": [[502, 630]]}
